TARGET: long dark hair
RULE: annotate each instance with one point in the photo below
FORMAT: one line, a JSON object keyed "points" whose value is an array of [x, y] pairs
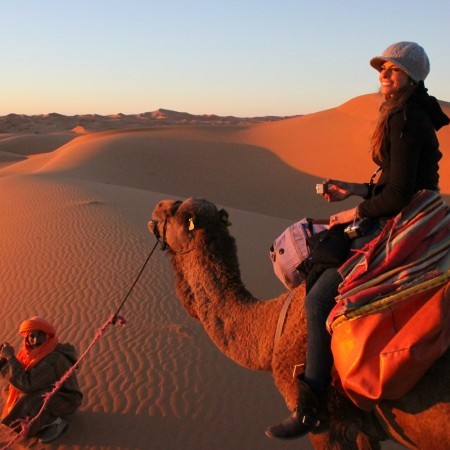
{"points": [[390, 106]]}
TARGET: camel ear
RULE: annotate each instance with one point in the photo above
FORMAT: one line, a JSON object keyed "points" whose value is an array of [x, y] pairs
{"points": [[191, 224], [224, 217]]}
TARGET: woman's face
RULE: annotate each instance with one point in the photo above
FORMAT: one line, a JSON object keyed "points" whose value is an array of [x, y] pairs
{"points": [[36, 338], [392, 79]]}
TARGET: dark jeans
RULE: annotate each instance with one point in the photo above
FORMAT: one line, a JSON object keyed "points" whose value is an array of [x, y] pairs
{"points": [[319, 302]]}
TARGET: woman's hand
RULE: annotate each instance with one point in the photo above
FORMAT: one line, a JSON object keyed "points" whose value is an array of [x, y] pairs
{"points": [[337, 190], [6, 351], [340, 190], [346, 216]]}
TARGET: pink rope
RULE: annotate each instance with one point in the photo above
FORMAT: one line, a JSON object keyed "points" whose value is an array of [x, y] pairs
{"points": [[25, 424]]}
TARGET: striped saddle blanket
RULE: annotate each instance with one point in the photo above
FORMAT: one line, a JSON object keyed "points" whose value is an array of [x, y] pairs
{"points": [[407, 251], [391, 321]]}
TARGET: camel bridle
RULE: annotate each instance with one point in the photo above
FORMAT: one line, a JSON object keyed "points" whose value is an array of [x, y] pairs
{"points": [[156, 233], [162, 239]]}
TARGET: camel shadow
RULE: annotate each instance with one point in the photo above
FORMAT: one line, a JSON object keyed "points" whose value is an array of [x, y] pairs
{"points": [[89, 429], [103, 430]]}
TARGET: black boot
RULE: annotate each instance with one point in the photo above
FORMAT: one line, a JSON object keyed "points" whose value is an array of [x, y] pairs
{"points": [[307, 416]]}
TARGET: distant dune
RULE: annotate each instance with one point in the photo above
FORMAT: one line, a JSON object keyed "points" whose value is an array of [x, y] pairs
{"points": [[75, 197], [47, 123]]}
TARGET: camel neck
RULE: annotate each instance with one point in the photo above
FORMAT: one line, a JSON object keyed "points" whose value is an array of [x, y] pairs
{"points": [[240, 325]]}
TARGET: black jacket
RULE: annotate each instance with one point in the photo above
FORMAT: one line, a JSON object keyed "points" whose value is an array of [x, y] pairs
{"points": [[410, 156]]}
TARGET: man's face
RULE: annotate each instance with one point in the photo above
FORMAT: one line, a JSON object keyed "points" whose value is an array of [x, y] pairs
{"points": [[36, 338]]}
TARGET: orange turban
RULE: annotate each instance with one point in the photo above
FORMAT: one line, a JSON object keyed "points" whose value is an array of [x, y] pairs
{"points": [[36, 323]]}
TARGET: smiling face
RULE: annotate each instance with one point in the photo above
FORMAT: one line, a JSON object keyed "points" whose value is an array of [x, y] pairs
{"points": [[392, 79]]}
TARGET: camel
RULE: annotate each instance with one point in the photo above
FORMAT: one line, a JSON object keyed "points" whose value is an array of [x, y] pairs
{"points": [[208, 283]]}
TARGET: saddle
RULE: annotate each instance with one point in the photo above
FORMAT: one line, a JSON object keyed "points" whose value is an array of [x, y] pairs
{"points": [[383, 349], [391, 321]]}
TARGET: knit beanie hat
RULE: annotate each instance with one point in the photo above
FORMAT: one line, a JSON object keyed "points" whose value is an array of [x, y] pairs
{"points": [[409, 56]]}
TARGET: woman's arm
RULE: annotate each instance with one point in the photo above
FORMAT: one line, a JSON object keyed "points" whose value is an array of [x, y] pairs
{"points": [[404, 154], [340, 190]]}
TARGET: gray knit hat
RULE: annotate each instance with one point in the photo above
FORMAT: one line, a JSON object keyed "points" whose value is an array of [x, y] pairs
{"points": [[409, 56]]}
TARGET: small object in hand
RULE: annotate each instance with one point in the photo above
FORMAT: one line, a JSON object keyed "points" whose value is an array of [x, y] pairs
{"points": [[322, 188], [6, 351]]}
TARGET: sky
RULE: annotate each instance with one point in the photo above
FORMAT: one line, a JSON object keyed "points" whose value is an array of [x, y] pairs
{"points": [[224, 57]]}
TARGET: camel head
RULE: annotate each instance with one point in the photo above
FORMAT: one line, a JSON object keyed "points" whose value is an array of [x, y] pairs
{"points": [[181, 226], [196, 235]]}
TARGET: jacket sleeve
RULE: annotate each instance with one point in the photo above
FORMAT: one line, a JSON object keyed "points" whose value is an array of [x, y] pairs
{"points": [[406, 140], [41, 376]]}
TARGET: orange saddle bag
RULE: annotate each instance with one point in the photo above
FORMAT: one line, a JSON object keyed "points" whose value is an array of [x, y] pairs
{"points": [[381, 352]]}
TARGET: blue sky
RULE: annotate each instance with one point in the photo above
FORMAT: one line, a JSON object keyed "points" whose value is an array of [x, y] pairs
{"points": [[225, 57]]}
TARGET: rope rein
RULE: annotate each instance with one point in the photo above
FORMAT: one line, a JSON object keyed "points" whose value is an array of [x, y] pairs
{"points": [[134, 283], [24, 424]]}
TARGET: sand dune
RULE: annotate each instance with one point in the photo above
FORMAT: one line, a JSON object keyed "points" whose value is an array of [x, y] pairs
{"points": [[334, 142], [157, 382], [73, 220]]}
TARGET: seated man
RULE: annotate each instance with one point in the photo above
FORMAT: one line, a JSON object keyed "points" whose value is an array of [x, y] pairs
{"points": [[39, 364]]}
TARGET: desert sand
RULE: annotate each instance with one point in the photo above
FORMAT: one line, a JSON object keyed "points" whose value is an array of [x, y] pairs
{"points": [[74, 207]]}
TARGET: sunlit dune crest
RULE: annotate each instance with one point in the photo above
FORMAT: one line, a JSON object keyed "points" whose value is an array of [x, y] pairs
{"points": [[79, 129], [76, 194]]}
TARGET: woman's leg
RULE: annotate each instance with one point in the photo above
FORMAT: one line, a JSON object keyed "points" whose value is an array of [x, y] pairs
{"points": [[308, 413], [313, 384], [318, 303]]}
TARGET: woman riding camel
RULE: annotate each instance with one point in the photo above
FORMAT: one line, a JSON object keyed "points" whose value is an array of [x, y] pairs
{"points": [[39, 364], [405, 147]]}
